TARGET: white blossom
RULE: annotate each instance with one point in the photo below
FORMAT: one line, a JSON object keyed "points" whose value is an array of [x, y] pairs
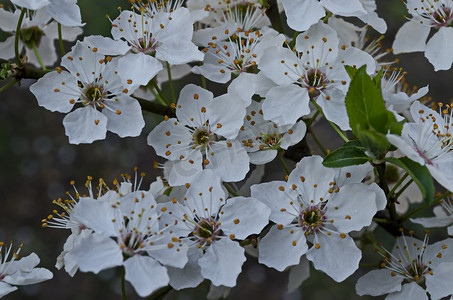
{"points": [[94, 84], [319, 206], [19, 272], [202, 136], [411, 270]]}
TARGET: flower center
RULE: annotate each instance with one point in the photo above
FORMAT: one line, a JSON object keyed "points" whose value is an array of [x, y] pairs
{"points": [[207, 231], [312, 219], [145, 45], [132, 243], [93, 94], [202, 137], [271, 140], [315, 81], [442, 17]]}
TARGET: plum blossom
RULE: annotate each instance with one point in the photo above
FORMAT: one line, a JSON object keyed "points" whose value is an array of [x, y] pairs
{"points": [[412, 270], [263, 139], [319, 206], [230, 53], [94, 84], [19, 272], [427, 141], [202, 136], [413, 35], [121, 228], [211, 225], [315, 70]]}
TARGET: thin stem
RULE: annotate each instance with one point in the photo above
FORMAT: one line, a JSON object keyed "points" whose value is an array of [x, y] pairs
{"points": [[380, 220], [280, 156], [173, 98], [340, 133], [156, 108], [158, 90], [203, 82], [293, 41], [403, 188], [60, 40], [8, 85], [390, 194], [230, 190], [326, 18], [123, 283], [158, 98], [35, 50], [16, 40]]}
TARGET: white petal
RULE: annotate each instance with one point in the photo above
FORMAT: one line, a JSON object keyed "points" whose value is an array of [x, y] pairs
{"points": [[281, 248], [237, 217], [372, 19], [409, 291], [145, 274], [302, 14], [285, 104], [262, 157], [85, 125], [222, 262], [433, 222], [298, 274], [352, 208], [352, 56], [338, 257], [190, 275], [294, 135], [8, 20], [178, 51], [226, 115], [5, 289], [53, 95], [411, 37], [439, 284], [130, 120], [31, 4], [25, 264], [191, 99], [138, 69], [37, 275], [320, 38], [95, 253], [268, 193], [277, 63], [181, 172], [438, 49], [229, 160], [347, 8], [106, 45], [378, 282], [66, 13], [96, 215], [175, 256], [335, 108]]}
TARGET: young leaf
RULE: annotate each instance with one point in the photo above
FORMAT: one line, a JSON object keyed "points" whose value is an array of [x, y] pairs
{"points": [[375, 143], [365, 105], [351, 71], [345, 156], [419, 174]]}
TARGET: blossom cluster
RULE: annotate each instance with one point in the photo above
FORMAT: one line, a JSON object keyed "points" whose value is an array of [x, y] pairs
{"points": [[193, 223]]}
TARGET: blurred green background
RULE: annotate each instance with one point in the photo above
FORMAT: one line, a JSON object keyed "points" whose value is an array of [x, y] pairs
{"points": [[37, 164]]}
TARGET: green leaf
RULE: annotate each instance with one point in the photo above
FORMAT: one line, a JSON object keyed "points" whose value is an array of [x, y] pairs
{"points": [[351, 71], [365, 105], [354, 143], [375, 142], [345, 156], [419, 174], [377, 79]]}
